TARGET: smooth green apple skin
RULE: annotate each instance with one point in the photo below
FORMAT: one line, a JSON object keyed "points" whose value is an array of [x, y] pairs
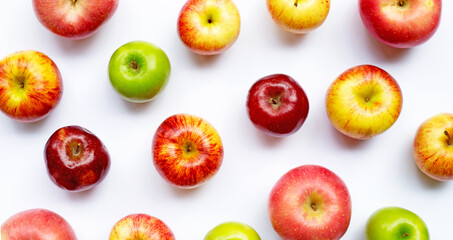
{"points": [[139, 71], [393, 223], [232, 231]]}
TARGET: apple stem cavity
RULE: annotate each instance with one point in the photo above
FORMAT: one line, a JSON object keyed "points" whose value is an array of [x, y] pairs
{"points": [[449, 138], [74, 2], [314, 207], [77, 150], [401, 3]]}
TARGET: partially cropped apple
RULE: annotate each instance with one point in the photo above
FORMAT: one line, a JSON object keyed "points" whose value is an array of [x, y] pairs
{"points": [[187, 150], [277, 105], [363, 101], [30, 85], [74, 19], [209, 27], [139, 71], [76, 159], [141, 227], [37, 224], [395, 223], [401, 23], [298, 16], [233, 231], [310, 202], [433, 147]]}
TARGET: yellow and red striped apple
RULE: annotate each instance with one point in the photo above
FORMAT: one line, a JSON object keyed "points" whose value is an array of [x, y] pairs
{"points": [[433, 147], [187, 150], [209, 27], [141, 227], [363, 101], [30, 85], [298, 16]]}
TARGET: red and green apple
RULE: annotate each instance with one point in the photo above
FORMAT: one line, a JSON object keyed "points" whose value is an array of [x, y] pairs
{"points": [[187, 150], [141, 227], [30, 85]]}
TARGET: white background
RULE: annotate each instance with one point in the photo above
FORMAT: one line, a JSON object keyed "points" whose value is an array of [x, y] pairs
{"points": [[379, 172]]}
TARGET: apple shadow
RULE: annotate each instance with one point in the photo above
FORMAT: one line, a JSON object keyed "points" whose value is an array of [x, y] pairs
{"points": [[386, 52], [31, 126], [75, 46], [136, 107], [184, 192], [346, 141], [204, 60], [269, 141], [289, 38], [422, 177]]}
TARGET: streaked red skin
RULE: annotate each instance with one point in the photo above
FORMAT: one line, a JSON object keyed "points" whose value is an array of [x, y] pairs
{"points": [[37, 224], [92, 15], [169, 158], [43, 85], [141, 226], [285, 119], [76, 172], [286, 200], [416, 26]]}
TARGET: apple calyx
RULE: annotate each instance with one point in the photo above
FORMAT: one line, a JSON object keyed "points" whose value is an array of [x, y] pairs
{"points": [[449, 138], [189, 148]]}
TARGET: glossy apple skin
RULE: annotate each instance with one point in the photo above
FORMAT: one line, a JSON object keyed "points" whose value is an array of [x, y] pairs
{"points": [[233, 231], [30, 86], [74, 19], [141, 227], [310, 202], [277, 105], [139, 71], [363, 101], [298, 16], [76, 159], [395, 223], [209, 27], [37, 224], [433, 147], [398, 26], [187, 150]]}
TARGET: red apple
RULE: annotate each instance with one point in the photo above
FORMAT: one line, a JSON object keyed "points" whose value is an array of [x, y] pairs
{"points": [[364, 101], [37, 224], [277, 105], [433, 147], [187, 150], [30, 85], [310, 202], [209, 27], [76, 159], [401, 23], [74, 19], [141, 227]]}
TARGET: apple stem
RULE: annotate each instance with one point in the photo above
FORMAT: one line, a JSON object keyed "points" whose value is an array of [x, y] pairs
{"points": [[78, 149], [74, 2], [134, 65], [314, 207], [296, 4], [449, 138], [405, 235], [401, 3]]}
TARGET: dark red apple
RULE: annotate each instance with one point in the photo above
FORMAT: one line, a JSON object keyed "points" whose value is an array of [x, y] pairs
{"points": [[277, 105], [37, 224], [187, 150], [310, 202], [76, 159]]}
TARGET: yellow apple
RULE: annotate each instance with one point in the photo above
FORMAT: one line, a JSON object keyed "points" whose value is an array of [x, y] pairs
{"points": [[433, 147], [363, 102], [298, 16]]}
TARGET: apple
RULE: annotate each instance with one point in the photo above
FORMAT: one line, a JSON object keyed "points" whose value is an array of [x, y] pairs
{"points": [[277, 105], [37, 224], [298, 16], [392, 223], [310, 202], [30, 85], [433, 147], [76, 159], [138, 71], [74, 19], [209, 27], [363, 101], [187, 150], [232, 230], [140, 227], [401, 23]]}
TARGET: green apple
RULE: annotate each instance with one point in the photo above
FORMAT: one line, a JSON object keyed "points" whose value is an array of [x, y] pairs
{"points": [[232, 231], [393, 223], [139, 70]]}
